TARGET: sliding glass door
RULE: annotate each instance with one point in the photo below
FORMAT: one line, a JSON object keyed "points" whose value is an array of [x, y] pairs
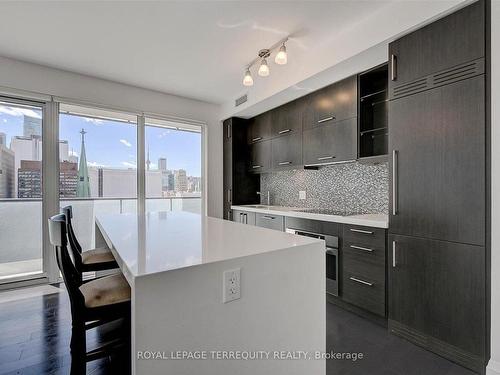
{"points": [[21, 191], [173, 166]]}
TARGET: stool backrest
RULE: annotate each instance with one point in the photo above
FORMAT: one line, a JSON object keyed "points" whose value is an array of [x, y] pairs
{"points": [[73, 241], [72, 278]]}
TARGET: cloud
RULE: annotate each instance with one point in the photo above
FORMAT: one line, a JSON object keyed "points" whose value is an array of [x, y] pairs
{"points": [[129, 165], [14, 111], [94, 121], [125, 142], [4, 120], [164, 134], [72, 153]]}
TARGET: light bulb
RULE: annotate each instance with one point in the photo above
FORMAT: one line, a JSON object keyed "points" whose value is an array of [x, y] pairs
{"points": [[248, 80], [263, 68], [281, 57]]}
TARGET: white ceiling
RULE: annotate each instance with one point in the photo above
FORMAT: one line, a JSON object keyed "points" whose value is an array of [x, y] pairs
{"points": [[193, 49]]}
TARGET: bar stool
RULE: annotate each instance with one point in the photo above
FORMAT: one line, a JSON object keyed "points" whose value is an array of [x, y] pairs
{"points": [[93, 303], [90, 260]]}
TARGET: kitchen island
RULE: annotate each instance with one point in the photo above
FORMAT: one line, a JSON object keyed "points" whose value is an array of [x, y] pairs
{"points": [[175, 264]]}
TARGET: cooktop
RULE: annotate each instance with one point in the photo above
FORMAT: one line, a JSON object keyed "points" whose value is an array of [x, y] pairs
{"points": [[326, 211]]}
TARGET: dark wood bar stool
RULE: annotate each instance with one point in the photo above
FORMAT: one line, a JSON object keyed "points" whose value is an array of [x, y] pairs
{"points": [[93, 303], [98, 259]]}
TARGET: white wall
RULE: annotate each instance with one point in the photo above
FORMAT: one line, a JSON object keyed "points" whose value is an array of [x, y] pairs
{"points": [[494, 365], [20, 75]]}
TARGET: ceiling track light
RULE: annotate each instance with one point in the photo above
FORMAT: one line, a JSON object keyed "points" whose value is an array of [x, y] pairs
{"points": [[281, 58]]}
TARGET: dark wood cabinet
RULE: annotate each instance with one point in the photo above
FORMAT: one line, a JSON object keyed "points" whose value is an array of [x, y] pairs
{"points": [[437, 140], [331, 143], [240, 187], [269, 221], [287, 119], [333, 103], [449, 42], [260, 157], [455, 39], [437, 296], [260, 128], [287, 151]]}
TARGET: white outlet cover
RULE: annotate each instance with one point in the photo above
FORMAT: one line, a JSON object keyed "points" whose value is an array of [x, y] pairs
{"points": [[231, 285], [302, 194]]}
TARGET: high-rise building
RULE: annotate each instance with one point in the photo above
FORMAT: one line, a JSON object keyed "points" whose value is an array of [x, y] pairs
{"points": [[30, 179], [83, 184], [7, 175], [180, 180], [68, 179], [32, 126], [30, 148], [3, 139], [162, 164]]}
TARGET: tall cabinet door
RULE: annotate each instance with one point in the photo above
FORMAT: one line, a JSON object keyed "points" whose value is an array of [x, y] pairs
{"points": [[451, 41], [437, 141], [437, 289], [227, 167]]}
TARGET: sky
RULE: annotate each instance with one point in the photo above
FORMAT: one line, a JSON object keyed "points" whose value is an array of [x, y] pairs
{"points": [[114, 144]]}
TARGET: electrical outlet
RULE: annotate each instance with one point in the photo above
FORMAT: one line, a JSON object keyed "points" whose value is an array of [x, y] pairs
{"points": [[302, 194], [231, 285]]}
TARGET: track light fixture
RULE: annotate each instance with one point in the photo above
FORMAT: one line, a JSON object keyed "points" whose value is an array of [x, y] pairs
{"points": [[264, 54], [248, 80]]}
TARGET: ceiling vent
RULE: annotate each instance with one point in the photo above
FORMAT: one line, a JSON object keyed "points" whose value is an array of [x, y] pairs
{"points": [[240, 100]]}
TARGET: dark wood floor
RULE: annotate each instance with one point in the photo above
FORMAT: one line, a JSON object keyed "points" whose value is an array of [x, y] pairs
{"points": [[35, 334]]}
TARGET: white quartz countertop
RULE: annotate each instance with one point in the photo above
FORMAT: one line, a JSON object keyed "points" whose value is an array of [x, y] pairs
{"points": [[164, 241], [369, 220]]}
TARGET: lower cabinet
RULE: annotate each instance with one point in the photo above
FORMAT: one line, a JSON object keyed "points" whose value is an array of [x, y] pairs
{"points": [[244, 217], [437, 296], [275, 222], [364, 268]]}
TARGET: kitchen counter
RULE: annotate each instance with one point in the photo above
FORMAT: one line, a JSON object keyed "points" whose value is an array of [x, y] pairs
{"points": [[369, 220], [175, 263]]}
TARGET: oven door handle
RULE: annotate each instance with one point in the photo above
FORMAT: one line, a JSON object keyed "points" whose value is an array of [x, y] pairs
{"points": [[331, 251]]}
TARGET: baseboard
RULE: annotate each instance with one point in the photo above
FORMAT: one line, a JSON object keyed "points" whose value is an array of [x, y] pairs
{"points": [[453, 353], [380, 320], [493, 368]]}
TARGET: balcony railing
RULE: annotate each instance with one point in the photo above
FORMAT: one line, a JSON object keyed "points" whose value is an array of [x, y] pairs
{"points": [[21, 226]]}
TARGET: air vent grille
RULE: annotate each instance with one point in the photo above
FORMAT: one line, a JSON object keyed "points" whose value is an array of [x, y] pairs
{"points": [[240, 100], [445, 77]]}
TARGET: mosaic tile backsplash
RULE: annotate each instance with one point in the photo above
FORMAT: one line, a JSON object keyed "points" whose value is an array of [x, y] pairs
{"points": [[352, 186]]}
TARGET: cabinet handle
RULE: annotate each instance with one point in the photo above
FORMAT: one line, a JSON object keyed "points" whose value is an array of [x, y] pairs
{"points": [[268, 217], [355, 279], [326, 157], [394, 182], [361, 248], [285, 163], [256, 166], [246, 218], [394, 254], [256, 139], [326, 119], [360, 231], [284, 131], [394, 68], [229, 195], [229, 127]]}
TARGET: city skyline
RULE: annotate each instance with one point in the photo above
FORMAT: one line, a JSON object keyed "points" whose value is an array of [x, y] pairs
{"points": [[112, 144]]}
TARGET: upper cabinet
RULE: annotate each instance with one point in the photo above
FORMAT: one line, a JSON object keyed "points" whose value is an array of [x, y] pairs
{"points": [[438, 53], [287, 151], [260, 128], [330, 143], [333, 103], [287, 119]]}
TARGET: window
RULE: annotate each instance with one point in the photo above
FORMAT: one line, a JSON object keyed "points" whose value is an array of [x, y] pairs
{"points": [[173, 166], [21, 194], [98, 165]]}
